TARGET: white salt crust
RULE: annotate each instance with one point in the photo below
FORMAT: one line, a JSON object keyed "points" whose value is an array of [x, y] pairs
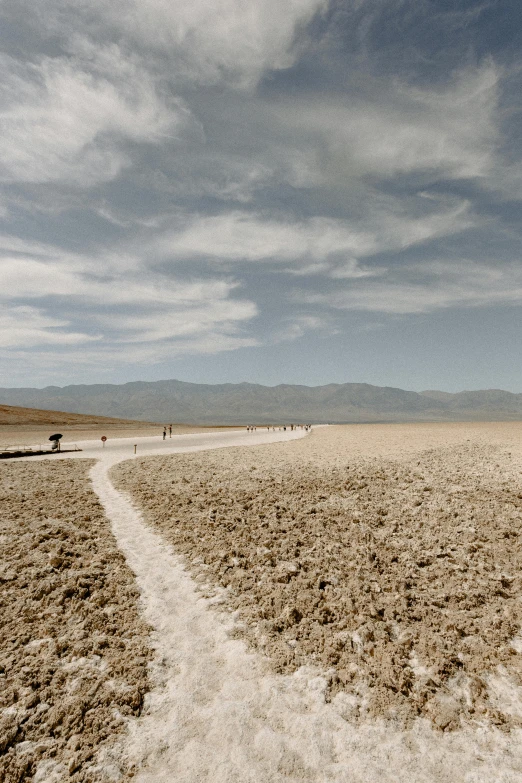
{"points": [[215, 714]]}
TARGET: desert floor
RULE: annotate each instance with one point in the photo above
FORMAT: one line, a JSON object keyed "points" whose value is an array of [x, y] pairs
{"points": [[342, 607]]}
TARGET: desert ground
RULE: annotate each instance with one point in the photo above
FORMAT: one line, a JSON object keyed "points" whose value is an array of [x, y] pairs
{"points": [[345, 606]]}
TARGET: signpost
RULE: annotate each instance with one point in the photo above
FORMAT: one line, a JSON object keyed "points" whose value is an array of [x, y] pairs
{"points": [[103, 439]]}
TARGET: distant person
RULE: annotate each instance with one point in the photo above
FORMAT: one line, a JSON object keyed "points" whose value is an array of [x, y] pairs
{"points": [[170, 430], [164, 433]]}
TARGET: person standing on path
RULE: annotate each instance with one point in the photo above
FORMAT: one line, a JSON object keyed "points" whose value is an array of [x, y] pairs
{"points": [[164, 433], [170, 430]]}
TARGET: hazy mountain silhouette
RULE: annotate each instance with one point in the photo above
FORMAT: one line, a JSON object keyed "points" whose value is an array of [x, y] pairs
{"points": [[243, 403]]}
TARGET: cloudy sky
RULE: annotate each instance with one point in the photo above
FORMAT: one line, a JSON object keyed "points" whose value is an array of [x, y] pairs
{"points": [[277, 191]]}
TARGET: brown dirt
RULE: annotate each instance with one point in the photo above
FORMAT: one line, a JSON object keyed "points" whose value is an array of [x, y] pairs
{"points": [[400, 577], [14, 415], [73, 649]]}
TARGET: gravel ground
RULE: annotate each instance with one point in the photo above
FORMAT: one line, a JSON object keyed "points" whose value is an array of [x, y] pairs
{"points": [[73, 648], [399, 574]]}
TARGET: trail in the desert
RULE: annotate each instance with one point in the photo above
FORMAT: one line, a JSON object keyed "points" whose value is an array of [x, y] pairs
{"points": [[217, 711]]}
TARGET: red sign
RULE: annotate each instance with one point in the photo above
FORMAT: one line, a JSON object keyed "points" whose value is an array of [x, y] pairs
{"points": [[104, 438]]}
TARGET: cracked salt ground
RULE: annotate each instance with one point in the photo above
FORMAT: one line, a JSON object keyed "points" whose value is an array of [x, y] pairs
{"points": [[215, 714]]}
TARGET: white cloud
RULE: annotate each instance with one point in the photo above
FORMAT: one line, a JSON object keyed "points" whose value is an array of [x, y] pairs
{"points": [[210, 316], [35, 278], [52, 362], [133, 307], [392, 129], [238, 236], [350, 269], [60, 121], [314, 244], [67, 277], [227, 40], [13, 244], [27, 327], [300, 325], [427, 287]]}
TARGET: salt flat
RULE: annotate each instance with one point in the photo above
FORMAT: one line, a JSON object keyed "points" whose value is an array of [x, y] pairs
{"points": [[73, 648], [383, 644], [275, 614]]}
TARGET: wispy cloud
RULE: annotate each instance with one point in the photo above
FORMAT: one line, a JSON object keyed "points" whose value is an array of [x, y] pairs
{"points": [[62, 122], [231, 41], [131, 308], [28, 327], [246, 236], [427, 287], [189, 178], [395, 129]]}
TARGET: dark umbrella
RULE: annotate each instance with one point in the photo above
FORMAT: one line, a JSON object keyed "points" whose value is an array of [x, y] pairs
{"points": [[56, 441]]}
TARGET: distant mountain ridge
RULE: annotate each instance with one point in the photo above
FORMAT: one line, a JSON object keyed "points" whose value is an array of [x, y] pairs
{"points": [[243, 403]]}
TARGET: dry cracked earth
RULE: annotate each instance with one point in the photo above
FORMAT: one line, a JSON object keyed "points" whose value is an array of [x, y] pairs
{"points": [[73, 648], [400, 578]]}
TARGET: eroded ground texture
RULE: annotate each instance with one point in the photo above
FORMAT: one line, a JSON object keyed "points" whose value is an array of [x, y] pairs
{"points": [[73, 649], [400, 576]]}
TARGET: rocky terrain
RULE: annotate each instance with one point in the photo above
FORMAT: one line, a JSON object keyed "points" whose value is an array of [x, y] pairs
{"points": [[73, 648], [398, 574]]}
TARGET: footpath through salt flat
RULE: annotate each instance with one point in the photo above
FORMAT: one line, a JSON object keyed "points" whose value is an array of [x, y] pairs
{"points": [[216, 714], [119, 449]]}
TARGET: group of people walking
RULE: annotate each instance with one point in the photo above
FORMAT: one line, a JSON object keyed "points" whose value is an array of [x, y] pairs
{"points": [[283, 428]]}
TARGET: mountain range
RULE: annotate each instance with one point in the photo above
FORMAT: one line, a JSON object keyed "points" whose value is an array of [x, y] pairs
{"points": [[244, 403]]}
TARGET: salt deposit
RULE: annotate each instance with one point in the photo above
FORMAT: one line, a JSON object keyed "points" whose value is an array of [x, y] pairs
{"points": [[218, 712], [223, 716]]}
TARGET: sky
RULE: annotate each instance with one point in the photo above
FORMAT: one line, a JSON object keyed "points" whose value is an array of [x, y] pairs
{"points": [[308, 191]]}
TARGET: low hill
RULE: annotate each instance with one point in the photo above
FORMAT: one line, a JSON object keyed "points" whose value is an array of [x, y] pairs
{"points": [[13, 415], [244, 403]]}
